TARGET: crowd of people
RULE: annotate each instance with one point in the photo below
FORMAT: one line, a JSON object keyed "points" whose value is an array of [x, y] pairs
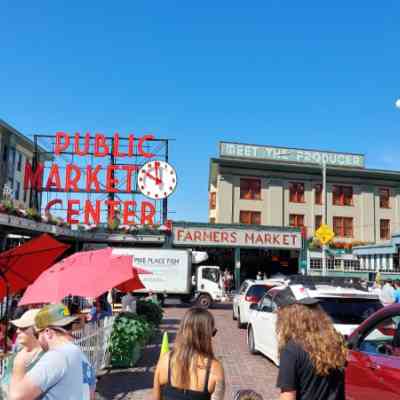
{"points": [[390, 292]]}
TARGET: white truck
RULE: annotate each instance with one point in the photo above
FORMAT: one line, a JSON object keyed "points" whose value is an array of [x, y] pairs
{"points": [[174, 274]]}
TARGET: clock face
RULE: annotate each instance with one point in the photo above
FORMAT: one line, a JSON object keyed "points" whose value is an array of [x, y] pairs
{"points": [[157, 179]]}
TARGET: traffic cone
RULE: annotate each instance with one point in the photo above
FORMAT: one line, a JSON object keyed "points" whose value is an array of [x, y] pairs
{"points": [[164, 344]]}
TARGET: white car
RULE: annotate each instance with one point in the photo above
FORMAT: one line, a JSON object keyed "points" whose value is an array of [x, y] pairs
{"points": [[250, 292], [347, 307]]}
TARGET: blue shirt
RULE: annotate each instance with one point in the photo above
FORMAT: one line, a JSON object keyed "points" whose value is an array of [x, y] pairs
{"points": [[397, 295]]}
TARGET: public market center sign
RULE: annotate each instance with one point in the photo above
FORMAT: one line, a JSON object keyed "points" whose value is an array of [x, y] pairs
{"points": [[254, 152], [226, 237]]}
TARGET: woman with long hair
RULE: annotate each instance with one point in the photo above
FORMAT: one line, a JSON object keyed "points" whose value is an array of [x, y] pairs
{"points": [[190, 370], [312, 352]]}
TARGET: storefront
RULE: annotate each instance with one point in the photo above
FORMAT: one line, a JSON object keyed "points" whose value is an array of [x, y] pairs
{"points": [[383, 258], [243, 249]]}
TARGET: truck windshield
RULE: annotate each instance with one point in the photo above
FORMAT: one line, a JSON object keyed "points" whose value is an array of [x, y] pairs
{"points": [[349, 310], [211, 274]]}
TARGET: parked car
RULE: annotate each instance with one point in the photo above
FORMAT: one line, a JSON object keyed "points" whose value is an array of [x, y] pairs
{"points": [[373, 368], [347, 307], [250, 292]]}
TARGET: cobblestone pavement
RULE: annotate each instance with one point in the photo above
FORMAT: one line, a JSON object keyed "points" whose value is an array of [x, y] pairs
{"points": [[242, 370]]}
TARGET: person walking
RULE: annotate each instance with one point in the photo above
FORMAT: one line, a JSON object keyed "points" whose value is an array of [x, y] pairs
{"points": [[63, 372], [387, 294], [128, 303], [312, 352], [397, 292], [191, 370]]}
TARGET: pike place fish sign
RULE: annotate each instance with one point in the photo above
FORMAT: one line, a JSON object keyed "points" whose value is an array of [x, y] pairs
{"points": [[255, 152]]}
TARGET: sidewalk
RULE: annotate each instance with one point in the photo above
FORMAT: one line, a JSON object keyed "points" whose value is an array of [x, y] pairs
{"points": [[242, 370]]}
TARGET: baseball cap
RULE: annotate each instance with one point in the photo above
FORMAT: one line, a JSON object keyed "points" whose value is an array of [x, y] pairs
{"points": [[294, 294], [27, 319], [53, 315]]}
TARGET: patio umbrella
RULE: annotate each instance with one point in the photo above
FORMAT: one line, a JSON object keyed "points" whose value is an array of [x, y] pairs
{"points": [[20, 266], [85, 274], [135, 283]]}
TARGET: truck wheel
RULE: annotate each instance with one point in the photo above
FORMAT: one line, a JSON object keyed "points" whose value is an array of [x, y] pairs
{"points": [[250, 341], [204, 301]]}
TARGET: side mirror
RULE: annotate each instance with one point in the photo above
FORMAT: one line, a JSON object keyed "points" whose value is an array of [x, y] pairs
{"points": [[254, 306]]}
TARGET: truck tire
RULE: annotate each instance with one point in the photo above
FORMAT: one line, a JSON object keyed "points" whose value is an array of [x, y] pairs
{"points": [[204, 301]]}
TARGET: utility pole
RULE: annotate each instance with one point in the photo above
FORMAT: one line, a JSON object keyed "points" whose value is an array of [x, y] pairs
{"points": [[324, 214]]}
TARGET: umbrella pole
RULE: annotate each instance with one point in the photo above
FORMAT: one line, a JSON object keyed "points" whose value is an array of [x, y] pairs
{"points": [[7, 317]]}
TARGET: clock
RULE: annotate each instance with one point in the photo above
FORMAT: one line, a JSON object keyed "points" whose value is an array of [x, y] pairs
{"points": [[157, 179]]}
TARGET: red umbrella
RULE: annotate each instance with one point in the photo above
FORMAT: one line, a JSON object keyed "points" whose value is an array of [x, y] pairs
{"points": [[20, 266], [86, 274], [135, 283]]}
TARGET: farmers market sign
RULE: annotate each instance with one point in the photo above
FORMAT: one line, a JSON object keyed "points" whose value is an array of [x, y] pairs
{"points": [[237, 237]]}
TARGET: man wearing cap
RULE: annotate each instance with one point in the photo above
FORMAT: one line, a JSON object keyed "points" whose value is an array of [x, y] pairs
{"points": [[312, 352], [63, 372]]}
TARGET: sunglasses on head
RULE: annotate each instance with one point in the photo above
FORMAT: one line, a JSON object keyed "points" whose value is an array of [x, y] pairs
{"points": [[214, 332]]}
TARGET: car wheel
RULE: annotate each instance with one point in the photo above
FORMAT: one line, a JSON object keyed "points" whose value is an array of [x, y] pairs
{"points": [[239, 322], [250, 342], [234, 317]]}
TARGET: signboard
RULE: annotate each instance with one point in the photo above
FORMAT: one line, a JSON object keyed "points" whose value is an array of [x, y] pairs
{"points": [[324, 234], [279, 239], [254, 152], [114, 165], [161, 270]]}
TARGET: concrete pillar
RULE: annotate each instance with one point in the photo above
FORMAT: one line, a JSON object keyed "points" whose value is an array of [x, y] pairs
{"points": [[237, 268], [384, 264]]}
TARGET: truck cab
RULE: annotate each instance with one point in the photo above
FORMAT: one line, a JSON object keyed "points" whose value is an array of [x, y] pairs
{"points": [[208, 285]]}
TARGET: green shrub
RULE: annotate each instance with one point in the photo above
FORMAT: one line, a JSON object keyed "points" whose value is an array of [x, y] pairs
{"points": [[150, 310], [130, 333]]}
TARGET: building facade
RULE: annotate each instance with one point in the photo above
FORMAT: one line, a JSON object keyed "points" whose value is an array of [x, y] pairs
{"points": [[273, 186], [15, 150]]}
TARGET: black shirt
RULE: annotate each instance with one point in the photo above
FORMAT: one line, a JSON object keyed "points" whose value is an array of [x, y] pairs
{"points": [[297, 372]]}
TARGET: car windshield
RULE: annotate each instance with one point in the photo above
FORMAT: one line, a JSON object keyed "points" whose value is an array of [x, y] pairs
{"points": [[257, 291], [349, 310]]}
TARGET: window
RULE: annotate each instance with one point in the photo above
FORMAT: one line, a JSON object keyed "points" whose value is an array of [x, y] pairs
{"points": [[315, 263], [5, 154], [349, 310], [213, 200], [19, 161], [250, 189], [250, 217], [384, 198], [11, 162], [212, 220], [211, 274], [383, 339], [385, 229], [318, 221], [17, 191], [296, 220], [318, 194], [296, 192], [342, 195], [343, 227]]}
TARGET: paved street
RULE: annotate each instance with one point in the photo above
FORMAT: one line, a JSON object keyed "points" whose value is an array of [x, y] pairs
{"points": [[243, 371]]}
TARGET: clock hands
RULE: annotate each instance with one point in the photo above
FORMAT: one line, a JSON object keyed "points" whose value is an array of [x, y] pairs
{"points": [[157, 171]]}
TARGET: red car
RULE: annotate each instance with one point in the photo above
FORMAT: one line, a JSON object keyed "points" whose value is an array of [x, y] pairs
{"points": [[373, 369]]}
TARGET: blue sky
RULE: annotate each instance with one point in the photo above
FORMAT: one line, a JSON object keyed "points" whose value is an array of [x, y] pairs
{"points": [[302, 74]]}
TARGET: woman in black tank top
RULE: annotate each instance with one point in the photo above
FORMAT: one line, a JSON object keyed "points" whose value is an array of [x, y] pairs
{"points": [[191, 371]]}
